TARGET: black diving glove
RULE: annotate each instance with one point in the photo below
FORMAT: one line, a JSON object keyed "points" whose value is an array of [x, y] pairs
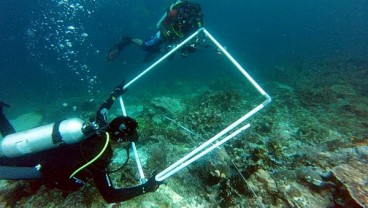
{"points": [[119, 90], [152, 185]]}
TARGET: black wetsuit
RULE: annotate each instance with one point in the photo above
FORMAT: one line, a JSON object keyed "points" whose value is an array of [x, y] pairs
{"points": [[183, 19], [187, 19], [58, 164]]}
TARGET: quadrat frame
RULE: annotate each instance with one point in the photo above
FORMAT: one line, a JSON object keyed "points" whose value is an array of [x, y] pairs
{"points": [[221, 137]]}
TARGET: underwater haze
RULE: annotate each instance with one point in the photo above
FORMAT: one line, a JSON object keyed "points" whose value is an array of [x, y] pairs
{"points": [[39, 51], [309, 55]]}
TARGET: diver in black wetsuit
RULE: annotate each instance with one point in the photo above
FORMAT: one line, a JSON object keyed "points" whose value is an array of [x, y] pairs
{"points": [[181, 19], [60, 167]]}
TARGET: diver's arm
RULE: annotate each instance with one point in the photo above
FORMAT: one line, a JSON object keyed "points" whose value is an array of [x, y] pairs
{"points": [[101, 115], [19, 173], [158, 25], [111, 194]]}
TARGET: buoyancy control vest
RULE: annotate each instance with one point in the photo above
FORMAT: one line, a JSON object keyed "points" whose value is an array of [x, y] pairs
{"points": [[188, 18]]}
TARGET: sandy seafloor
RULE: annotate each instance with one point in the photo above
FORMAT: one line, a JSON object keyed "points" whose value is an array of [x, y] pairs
{"points": [[307, 148]]}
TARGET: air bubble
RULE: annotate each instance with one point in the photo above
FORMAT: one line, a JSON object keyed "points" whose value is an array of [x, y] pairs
{"points": [[69, 44], [55, 32]]}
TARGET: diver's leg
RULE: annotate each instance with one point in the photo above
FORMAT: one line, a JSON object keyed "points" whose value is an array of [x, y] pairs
{"points": [[138, 42], [153, 44], [5, 127]]}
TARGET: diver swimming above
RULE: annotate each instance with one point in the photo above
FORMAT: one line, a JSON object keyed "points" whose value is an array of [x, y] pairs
{"points": [[66, 154], [181, 19]]}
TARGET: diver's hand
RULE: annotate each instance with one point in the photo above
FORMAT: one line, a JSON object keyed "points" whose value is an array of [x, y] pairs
{"points": [[119, 90], [152, 185]]}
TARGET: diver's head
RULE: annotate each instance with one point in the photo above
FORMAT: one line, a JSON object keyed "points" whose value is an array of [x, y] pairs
{"points": [[123, 128], [172, 14]]}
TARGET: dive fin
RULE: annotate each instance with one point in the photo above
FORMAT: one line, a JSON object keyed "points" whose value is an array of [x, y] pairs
{"points": [[115, 51]]}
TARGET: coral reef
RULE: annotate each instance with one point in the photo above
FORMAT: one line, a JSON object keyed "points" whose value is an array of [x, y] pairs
{"points": [[353, 176], [309, 149], [171, 105], [211, 112], [343, 89]]}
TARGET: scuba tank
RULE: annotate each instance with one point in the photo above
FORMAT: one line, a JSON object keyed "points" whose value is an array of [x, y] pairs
{"points": [[42, 138]]}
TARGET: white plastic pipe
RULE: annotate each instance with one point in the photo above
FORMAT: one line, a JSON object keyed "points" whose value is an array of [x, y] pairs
{"points": [[240, 68], [208, 142], [161, 176], [123, 110], [233, 125], [163, 58], [138, 161], [181, 126], [196, 152], [136, 156]]}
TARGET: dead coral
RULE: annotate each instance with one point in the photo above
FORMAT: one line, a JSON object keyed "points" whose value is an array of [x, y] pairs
{"points": [[343, 89], [315, 96], [312, 133], [172, 106], [264, 186], [158, 153], [213, 168], [353, 176], [13, 192], [212, 111]]}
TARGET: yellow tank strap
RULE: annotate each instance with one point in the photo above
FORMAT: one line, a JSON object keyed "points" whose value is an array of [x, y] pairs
{"points": [[178, 33]]}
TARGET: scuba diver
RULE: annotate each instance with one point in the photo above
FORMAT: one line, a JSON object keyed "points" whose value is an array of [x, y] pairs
{"points": [[66, 154], [181, 20]]}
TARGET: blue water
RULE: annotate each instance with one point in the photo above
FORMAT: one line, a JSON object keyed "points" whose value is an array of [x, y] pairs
{"points": [[36, 69]]}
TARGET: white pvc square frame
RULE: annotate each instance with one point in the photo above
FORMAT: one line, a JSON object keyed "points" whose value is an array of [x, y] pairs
{"points": [[220, 137]]}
